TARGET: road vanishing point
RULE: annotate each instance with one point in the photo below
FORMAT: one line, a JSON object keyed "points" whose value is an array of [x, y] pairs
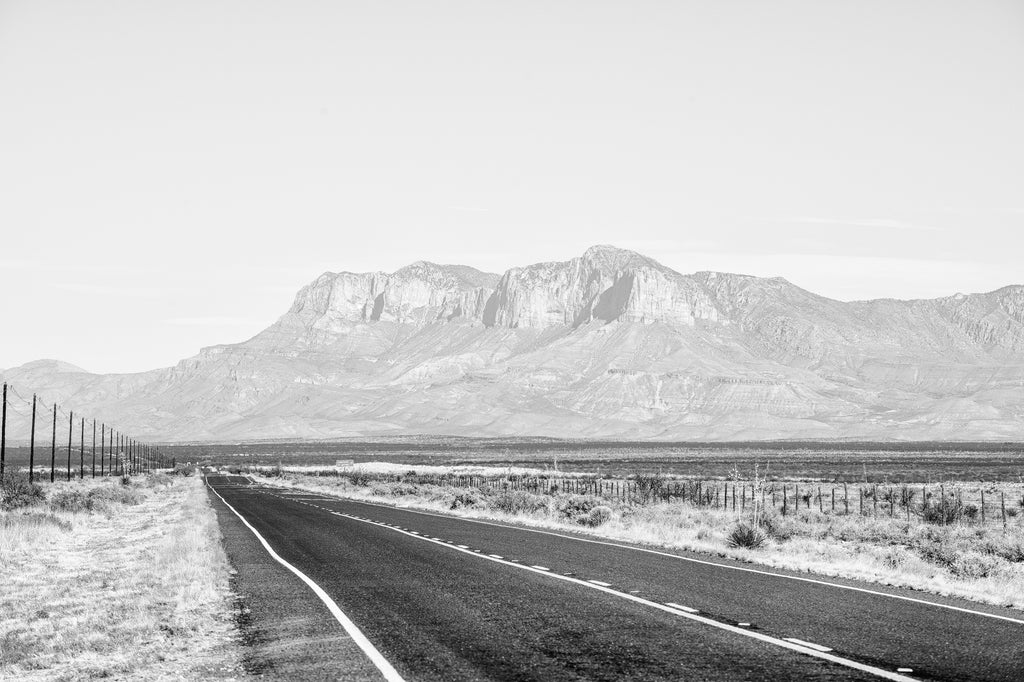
{"points": [[338, 589]]}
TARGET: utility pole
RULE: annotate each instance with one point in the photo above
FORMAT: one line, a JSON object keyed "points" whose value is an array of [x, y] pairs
{"points": [[71, 429], [53, 444], [81, 452], [32, 444], [94, 448]]}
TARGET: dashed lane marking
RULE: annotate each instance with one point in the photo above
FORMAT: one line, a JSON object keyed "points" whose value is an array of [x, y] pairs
{"points": [[541, 568], [367, 647], [681, 607], [598, 582]]}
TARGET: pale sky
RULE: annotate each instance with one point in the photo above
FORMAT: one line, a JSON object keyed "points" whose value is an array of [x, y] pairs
{"points": [[171, 173]]}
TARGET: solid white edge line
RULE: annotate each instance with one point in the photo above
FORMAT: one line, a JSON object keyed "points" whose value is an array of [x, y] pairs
{"points": [[809, 645], [602, 584], [681, 607], [386, 669], [691, 560], [878, 672]]}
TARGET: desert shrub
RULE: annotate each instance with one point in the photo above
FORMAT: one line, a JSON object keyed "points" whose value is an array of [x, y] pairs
{"points": [[648, 488], [158, 479], [517, 502], [464, 500], [746, 536], [182, 470], [598, 516], [1010, 549], [359, 478], [948, 511], [34, 522], [70, 501], [16, 491], [118, 495], [575, 508], [894, 558], [972, 565]]}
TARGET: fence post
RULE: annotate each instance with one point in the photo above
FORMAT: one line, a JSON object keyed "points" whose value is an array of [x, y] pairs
{"points": [[1002, 506], [94, 448], [821, 503], [103, 447], [983, 507], [3, 435], [846, 498], [785, 499], [942, 490]]}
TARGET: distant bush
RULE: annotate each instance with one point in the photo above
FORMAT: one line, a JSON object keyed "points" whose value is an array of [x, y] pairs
{"points": [[118, 495], [97, 499], [158, 479], [746, 536], [972, 565], [518, 502], [465, 500], [16, 491], [948, 511], [598, 516], [71, 501], [33, 522], [358, 477]]}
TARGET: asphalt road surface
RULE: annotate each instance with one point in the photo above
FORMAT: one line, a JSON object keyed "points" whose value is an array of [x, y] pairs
{"points": [[337, 589]]}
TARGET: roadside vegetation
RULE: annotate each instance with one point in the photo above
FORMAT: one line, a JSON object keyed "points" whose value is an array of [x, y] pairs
{"points": [[104, 578], [937, 547]]}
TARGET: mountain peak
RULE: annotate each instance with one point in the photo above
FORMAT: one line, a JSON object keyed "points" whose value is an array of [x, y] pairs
{"points": [[613, 258]]}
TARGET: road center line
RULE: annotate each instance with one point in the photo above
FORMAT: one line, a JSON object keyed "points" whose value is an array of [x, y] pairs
{"points": [[385, 668], [802, 649]]}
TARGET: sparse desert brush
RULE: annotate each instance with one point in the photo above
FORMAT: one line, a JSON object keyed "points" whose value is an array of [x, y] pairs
{"points": [[16, 491], [518, 502], [464, 499], [746, 536], [158, 479], [19, 530], [598, 516]]}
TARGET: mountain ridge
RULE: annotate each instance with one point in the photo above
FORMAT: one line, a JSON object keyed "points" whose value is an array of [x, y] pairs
{"points": [[610, 343]]}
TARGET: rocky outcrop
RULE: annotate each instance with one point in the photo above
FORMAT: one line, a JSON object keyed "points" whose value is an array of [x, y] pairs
{"points": [[419, 293]]}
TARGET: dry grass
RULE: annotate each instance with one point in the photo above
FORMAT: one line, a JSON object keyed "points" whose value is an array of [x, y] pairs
{"points": [[112, 582], [982, 564]]}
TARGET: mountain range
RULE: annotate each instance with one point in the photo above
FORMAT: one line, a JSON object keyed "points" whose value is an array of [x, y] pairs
{"points": [[610, 344]]}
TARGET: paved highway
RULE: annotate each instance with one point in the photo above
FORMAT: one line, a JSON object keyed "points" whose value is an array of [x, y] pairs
{"points": [[401, 594]]}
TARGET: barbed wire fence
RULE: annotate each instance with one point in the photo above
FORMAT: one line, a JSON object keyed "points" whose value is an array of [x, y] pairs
{"points": [[111, 452]]}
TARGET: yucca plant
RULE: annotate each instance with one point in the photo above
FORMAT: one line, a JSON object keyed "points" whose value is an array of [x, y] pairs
{"points": [[746, 536]]}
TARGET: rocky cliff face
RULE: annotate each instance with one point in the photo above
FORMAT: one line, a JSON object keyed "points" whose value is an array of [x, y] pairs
{"points": [[608, 344]]}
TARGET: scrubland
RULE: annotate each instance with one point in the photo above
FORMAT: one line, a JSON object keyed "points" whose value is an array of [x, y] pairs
{"points": [[106, 580], [941, 553]]}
